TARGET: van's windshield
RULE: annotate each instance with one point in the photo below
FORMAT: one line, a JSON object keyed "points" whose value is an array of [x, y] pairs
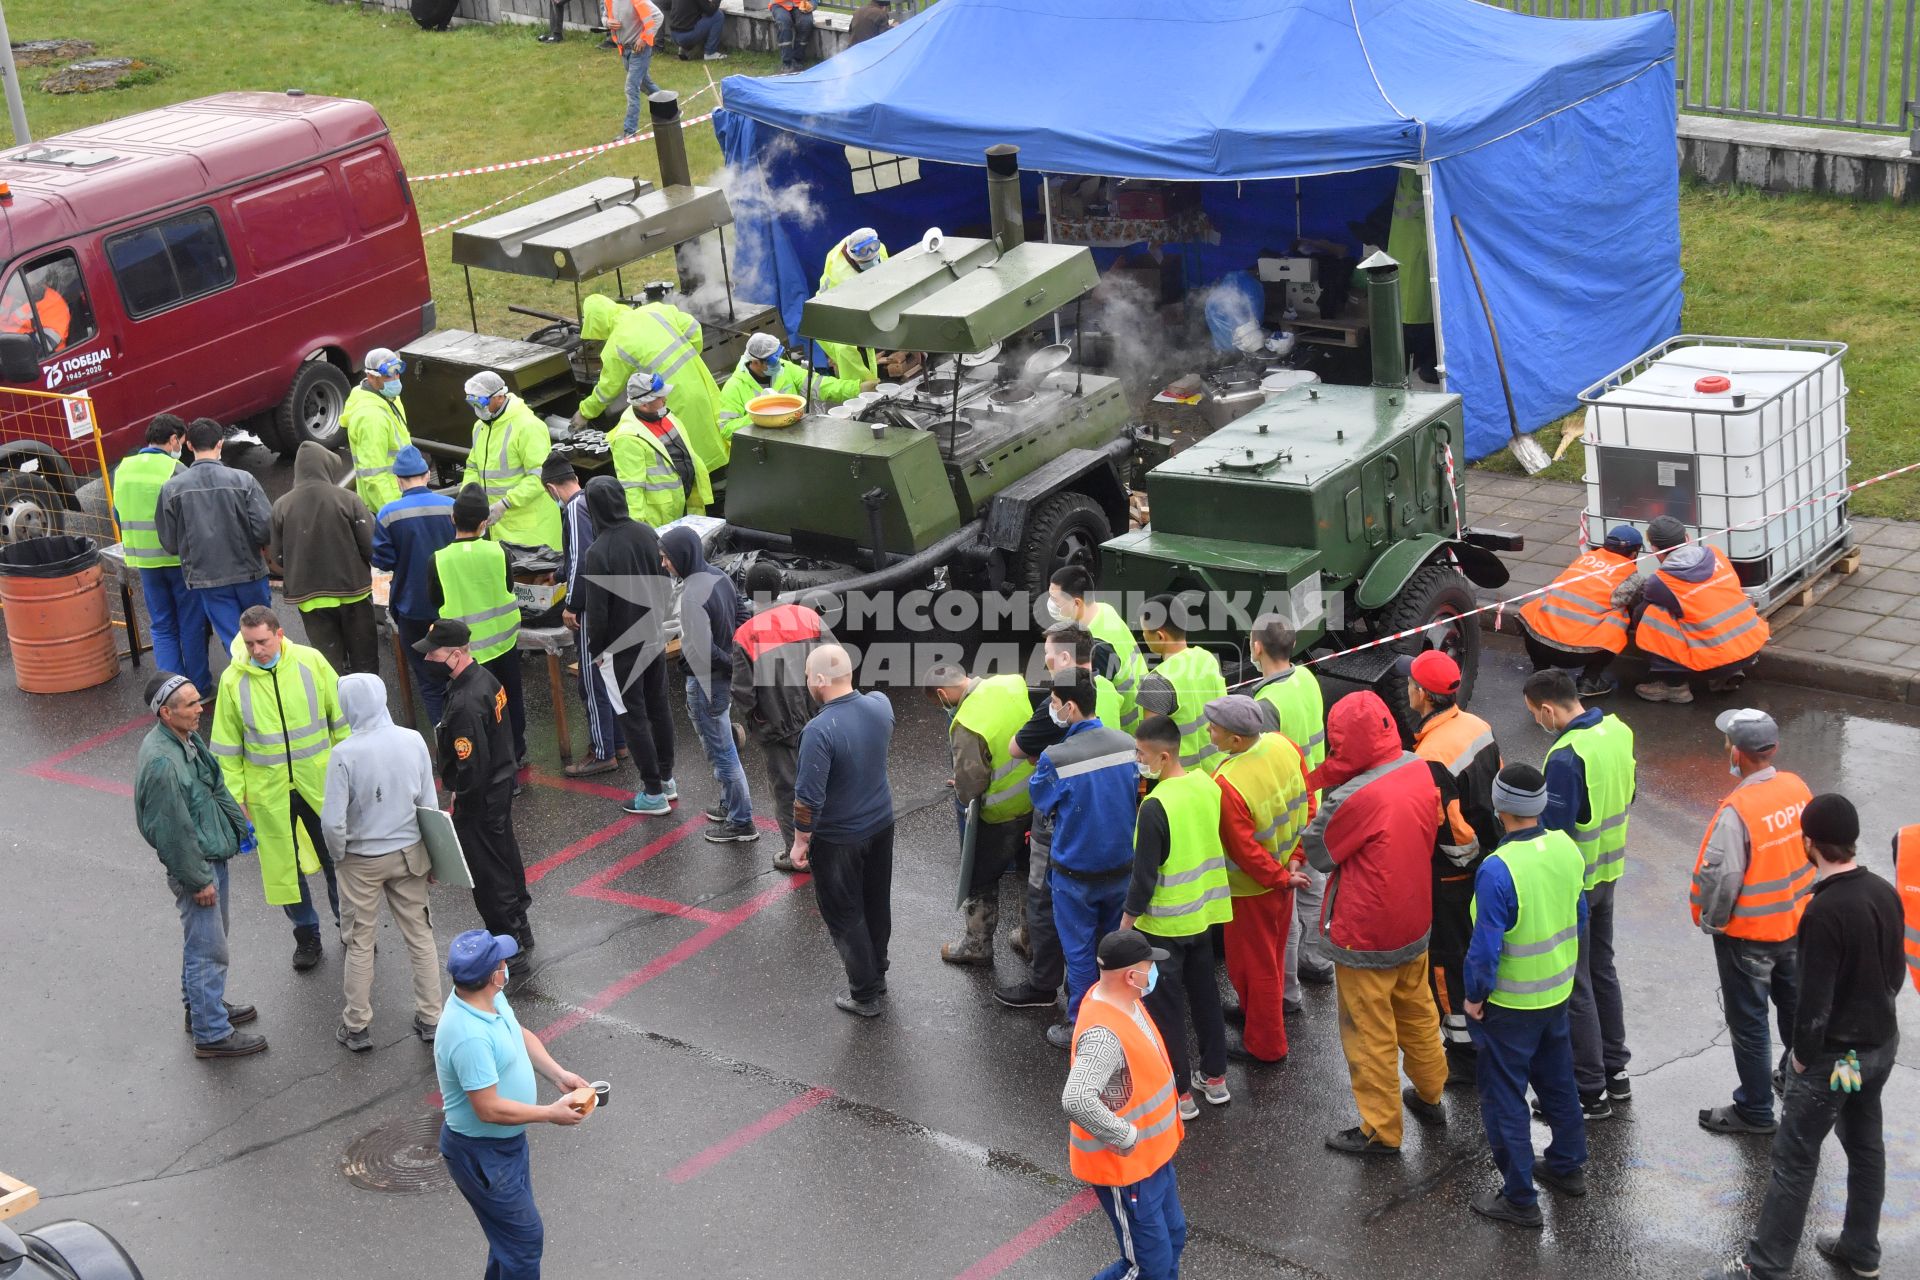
{"points": [[48, 299]]}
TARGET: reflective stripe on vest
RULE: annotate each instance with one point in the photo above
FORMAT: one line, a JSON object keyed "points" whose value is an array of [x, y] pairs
{"points": [[1906, 879], [1195, 676], [1269, 777], [1731, 630], [1107, 627], [302, 736], [1606, 757], [1576, 610], [136, 497], [1779, 880], [1192, 893], [1452, 738], [1153, 1109], [474, 590], [502, 475], [995, 709], [1541, 951], [391, 515]]}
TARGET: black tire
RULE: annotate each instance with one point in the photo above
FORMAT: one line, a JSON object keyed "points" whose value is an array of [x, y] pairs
{"points": [[83, 1249], [1433, 593], [1065, 529], [311, 410], [31, 506]]}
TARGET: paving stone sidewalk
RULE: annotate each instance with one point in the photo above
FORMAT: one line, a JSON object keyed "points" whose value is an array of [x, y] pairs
{"points": [[1863, 636]]}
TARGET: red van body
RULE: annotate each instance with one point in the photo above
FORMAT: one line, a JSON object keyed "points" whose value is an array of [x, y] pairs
{"points": [[233, 258]]}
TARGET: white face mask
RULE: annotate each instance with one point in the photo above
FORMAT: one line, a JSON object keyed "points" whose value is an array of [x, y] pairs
{"points": [[1057, 611], [1055, 714], [1149, 774]]}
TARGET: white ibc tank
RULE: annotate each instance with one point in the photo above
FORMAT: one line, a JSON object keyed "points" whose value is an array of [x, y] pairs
{"points": [[1725, 432]]}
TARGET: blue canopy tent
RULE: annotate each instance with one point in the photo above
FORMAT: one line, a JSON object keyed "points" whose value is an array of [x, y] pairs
{"points": [[1552, 142]]}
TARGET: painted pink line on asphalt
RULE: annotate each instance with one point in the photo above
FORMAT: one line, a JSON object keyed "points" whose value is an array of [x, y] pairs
{"points": [[560, 782], [605, 997], [87, 780], [659, 906], [1032, 1238], [554, 861], [652, 849], [747, 1135], [97, 740]]}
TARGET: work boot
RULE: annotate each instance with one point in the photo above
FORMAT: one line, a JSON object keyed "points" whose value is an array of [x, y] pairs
{"points": [[306, 947], [238, 1044], [1060, 1036], [1657, 691], [237, 1015], [1025, 995], [1427, 1112], [590, 766], [1018, 941], [1572, 1183], [983, 913], [358, 1041], [1827, 1245]]}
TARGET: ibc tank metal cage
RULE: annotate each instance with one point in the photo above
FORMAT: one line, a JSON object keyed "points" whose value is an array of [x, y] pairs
{"points": [[1752, 464]]}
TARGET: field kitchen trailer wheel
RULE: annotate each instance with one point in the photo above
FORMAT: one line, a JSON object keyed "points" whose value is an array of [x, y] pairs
{"points": [[30, 506], [1067, 528], [1435, 594], [87, 1252], [311, 410]]}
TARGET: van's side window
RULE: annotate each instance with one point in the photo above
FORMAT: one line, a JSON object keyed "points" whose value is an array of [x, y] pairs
{"points": [[169, 262], [48, 299]]}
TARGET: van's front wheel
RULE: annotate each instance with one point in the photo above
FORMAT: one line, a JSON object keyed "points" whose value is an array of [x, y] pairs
{"points": [[311, 410]]}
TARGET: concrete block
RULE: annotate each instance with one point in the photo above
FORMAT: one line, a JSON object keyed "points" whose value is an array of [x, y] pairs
{"points": [[1866, 649], [1904, 536], [1901, 630], [1848, 622], [1900, 580], [1806, 639]]}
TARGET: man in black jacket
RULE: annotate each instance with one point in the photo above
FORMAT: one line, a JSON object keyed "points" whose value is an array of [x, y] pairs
{"points": [[627, 592], [709, 612], [697, 23], [1845, 1035], [323, 546], [477, 765]]}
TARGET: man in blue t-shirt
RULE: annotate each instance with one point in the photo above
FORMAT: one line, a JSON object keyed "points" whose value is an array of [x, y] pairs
{"points": [[486, 1062]]}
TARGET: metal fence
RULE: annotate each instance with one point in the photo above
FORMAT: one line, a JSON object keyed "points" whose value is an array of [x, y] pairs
{"points": [[1826, 62]]}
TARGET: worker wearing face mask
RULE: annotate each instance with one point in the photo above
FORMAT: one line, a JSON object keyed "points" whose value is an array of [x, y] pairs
{"points": [[1070, 599], [859, 252], [663, 477], [376, 426], [176, 624], [655, 339], [762, 371], [510, 443], [985, 714]]}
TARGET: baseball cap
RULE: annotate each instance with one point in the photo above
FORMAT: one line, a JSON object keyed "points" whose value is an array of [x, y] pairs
{"points": [[1125, 947], [1433, 671], [1749, 729], [1624, 535], [409, 462], [474, 955], [445, 633]]}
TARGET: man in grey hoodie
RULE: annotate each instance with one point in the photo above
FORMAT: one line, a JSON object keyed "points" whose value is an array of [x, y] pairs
{"points": [[322, 543], [375, 780]]}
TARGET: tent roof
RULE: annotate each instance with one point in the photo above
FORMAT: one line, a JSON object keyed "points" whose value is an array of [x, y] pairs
{"points": [[1204, 90]]}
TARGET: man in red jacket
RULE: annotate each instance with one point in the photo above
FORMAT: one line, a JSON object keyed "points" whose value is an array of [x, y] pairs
{"points": [[1379, 815]]}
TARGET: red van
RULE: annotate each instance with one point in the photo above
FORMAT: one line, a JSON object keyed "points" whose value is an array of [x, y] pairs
{"points": [[232, 258]]}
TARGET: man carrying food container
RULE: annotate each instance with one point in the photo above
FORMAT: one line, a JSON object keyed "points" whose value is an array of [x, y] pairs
{"points": [[762, 371], [486, 1063]]}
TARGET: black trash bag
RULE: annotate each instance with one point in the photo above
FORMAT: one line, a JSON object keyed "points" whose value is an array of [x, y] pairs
{"points": [[59, 556], [434, 15]]}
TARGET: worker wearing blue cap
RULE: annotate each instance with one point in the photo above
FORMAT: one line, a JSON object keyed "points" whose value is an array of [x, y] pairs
{"points": [[1574, 624], [486, 1063], [406, 533]]}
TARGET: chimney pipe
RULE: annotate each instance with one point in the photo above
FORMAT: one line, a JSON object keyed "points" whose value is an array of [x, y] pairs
{"points": [[1383, 326], [664, 108], [1003, 196]]}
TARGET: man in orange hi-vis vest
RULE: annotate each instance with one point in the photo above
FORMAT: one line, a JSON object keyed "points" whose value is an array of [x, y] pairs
{"points": [[1906, 879], [1695, 622], [1574, 624], [1125, 1111], [1751, 882]]}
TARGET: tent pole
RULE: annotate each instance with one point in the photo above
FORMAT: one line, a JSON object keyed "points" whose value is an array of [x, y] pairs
{"points": [[1046, 213], [1433, 273]]}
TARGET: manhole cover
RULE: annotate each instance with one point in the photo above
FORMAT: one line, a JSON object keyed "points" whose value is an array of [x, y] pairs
{"points": [[401, 1156]]}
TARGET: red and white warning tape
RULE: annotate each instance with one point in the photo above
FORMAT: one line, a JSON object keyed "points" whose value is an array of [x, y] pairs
{"points": [[558, 155], [466, 217]]}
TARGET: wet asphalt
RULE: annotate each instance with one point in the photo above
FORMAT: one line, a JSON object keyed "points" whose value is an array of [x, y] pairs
{"points": [[757, 1132]]}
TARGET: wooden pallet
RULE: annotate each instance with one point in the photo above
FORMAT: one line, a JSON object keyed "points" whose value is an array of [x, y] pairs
{"points": [[1819, 584], [16, 1197]]}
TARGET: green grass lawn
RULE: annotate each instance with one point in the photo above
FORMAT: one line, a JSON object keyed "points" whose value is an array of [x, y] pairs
{"points": [[473, 95]]}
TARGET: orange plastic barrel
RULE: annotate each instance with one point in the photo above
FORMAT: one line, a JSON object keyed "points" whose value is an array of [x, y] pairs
{"points": [[59, 632]]}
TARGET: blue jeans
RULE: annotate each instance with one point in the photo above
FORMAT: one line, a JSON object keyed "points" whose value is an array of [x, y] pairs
{"points": [[302, 913], [224, 605], [203, 958], [496, 1177], [1751, 973], [639, 85], [794, 31], [177, 626], [1810, 1111], [707, 31], [1085, 911], [709, 717], [1515, 1048], [1149, 1224]]}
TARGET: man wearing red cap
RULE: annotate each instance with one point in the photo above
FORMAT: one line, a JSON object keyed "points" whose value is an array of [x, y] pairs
{"points": [[1459, 749]]}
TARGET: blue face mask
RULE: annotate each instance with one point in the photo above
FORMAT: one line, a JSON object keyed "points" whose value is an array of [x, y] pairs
{"points": [[269, 665], [390, 388], [1153, 979]]}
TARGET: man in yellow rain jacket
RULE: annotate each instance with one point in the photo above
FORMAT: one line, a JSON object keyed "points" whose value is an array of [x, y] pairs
{"points": [[376, 426], [662, 474], [662, 340], [510, 445], [861, 250], [274, 726], [762, 371]]}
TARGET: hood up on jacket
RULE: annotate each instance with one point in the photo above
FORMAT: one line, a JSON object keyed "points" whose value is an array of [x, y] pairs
{"points": [[682, 546], [363, 699], [314, 463], [606, 504], [598, 315], [1690, 562], [1361, 735]]}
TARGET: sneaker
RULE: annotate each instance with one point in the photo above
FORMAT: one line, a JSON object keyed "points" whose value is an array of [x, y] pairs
{"points": [[648, 806], [1018, 941], [590, 766], [1828, 1246], [1596, 688], [1214, 1088], [1430, 1112], [1317, 977], [783, 861], [425, 1030], [1025, 995], [238, 1044], [1493, 1203], [306, 947], [1356, 1142], [670, 789], [1734, 1268], [1189, 1109], [1572, 1183], [845, 1003], [1655, 691], [715, 57], [237, 1015], [733, 833], [358, 1041], [1620, 1087], [1237, 1051], [1591, 1109], [1060, 1036], [714, 813]]}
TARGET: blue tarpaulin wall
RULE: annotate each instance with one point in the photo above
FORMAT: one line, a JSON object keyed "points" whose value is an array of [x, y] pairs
{"points": [[1552, 142]]}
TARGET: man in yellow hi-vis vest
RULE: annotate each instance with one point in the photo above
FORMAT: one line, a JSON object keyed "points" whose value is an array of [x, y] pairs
{"points": [[273, 732], [983, 715], [510, 445], [176, 623], [473, 584]]}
